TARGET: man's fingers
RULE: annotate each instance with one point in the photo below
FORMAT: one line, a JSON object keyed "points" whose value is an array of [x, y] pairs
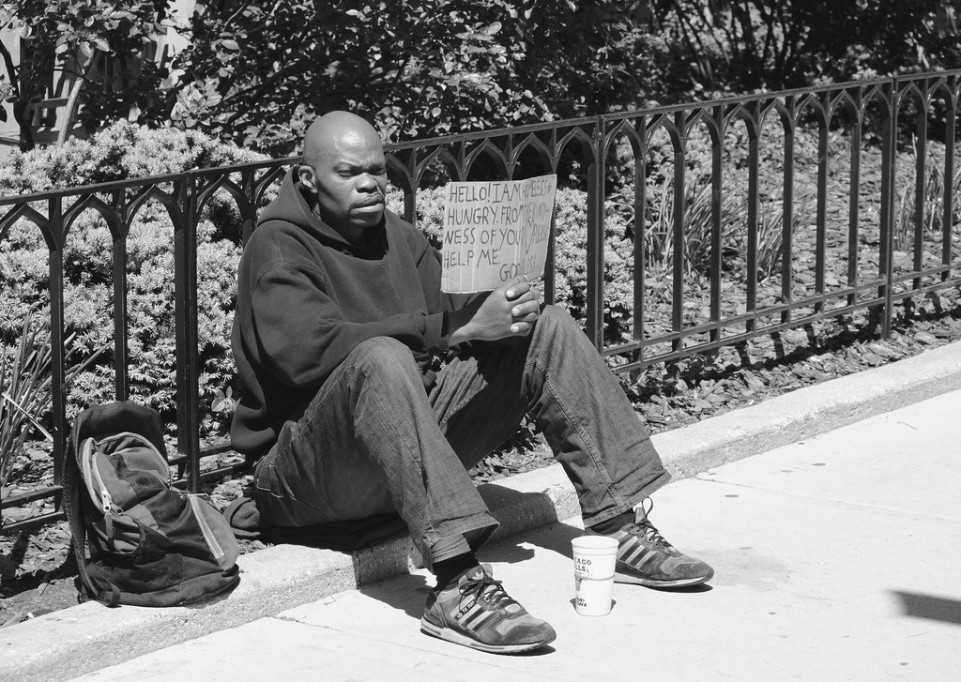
{"points": [[532, 295], [518, 287], [526, 309]]}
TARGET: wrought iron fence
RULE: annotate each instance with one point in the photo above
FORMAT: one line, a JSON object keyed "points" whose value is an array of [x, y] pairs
{"points": [[704, 193]]}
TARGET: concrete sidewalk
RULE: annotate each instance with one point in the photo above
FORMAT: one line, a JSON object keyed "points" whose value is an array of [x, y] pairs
{"points": [[836, 558]]}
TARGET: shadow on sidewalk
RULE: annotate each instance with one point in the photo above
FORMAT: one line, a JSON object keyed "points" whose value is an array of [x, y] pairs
{"points": [[929, 607], [555, 537]]}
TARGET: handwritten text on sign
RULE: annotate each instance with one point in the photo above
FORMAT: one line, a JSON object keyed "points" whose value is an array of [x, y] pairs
{"points": [[495, 231]]}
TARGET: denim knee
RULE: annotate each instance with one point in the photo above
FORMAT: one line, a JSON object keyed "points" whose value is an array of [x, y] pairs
{"points": [[553, 316], [383, 355], [555, 322]]}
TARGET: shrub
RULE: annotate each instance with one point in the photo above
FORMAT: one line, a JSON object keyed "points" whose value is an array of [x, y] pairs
{"points": [[25, 382], [570, 258], [932, 191], [124, 151]]}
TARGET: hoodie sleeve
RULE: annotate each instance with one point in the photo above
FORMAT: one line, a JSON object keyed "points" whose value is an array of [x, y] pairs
{"points": [[429, 269], [301, 350]]}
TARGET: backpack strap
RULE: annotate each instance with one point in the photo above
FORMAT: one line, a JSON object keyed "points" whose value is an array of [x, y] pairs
{"points": [[73, 507]]}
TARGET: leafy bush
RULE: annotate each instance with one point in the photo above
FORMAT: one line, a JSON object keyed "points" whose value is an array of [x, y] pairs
{"points": [[25, 382], [697, 205], [125, 151], [932, 192], [430, 211], [570, 258], [707, 49]]}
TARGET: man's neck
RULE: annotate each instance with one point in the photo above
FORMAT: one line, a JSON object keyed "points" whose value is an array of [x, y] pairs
{"points": [[353, 235]]}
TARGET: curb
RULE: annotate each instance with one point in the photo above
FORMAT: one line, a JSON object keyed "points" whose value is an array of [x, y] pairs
{"points": [[88, 637]]}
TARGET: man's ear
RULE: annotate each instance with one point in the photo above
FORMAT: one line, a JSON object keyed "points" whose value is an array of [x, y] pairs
{"points": [[307, 177]]}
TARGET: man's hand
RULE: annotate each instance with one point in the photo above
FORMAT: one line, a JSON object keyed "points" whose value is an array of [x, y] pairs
{"points": [[510, 310]]}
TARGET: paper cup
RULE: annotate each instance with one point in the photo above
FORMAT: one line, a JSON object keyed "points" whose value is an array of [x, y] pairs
{"points": [[593, 597], [594, 559]]}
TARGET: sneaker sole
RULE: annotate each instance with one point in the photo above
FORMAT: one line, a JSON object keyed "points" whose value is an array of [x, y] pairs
{"points": [[647, 582], [455, 637]]}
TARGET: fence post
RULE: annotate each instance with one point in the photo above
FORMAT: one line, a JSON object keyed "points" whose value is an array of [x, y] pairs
{"points": [[717, 183], [920, 181], [854, 207], [787, 227], [595, 238], [640, 234], [753, 113], [185, 316], [677, 235], [121, 347], [886, 247], [820, 248], [550, 262], [58, 389], [950, 118]]}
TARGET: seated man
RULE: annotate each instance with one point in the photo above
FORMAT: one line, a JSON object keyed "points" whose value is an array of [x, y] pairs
{"points": [[338, 309]]}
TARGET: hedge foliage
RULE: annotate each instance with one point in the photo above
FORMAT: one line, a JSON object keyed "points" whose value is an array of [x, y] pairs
{"points": [[125, 151]]}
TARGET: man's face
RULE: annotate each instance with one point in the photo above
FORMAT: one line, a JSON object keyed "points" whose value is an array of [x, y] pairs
{"points": [[350, 181]]}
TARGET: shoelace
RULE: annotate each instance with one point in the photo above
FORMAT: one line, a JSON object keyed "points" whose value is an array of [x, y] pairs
{"points": [[645, 529], [478, 588], [650, 534]]}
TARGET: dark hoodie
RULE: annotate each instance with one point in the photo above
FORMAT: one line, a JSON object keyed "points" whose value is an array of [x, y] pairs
{"points": [[306, 298]]}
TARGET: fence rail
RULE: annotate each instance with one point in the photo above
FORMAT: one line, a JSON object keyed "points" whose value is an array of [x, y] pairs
{"points": [[656, 167]]}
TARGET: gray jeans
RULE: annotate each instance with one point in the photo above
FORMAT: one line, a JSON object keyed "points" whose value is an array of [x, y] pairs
{"points": [[373, 441]]}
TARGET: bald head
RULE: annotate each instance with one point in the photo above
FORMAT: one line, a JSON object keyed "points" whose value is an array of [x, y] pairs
{"points": [[334, 130], [345, 172]]}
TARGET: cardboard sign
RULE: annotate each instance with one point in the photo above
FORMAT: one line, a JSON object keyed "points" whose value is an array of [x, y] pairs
{"points": [[495, 231]]}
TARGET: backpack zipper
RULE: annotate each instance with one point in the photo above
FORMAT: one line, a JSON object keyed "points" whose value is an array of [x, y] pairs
{"points": [[95, 486], [205, 529], [93, 478]]}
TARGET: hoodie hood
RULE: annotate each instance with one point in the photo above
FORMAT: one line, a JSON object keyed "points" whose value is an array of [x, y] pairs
{"points": [[292, 206]]}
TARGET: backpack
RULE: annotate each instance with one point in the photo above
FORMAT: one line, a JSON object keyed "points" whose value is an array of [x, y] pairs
{"points": [[137, 539]]}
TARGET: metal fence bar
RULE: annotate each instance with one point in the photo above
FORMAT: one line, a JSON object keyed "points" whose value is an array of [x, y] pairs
{"points": [[789, 120], [947, 221], [121, 348], [55, 245], [886, 256], [640, 233], [820, 248], [595, 237], [948, 200], [920, 186], [680, 194], [185, 316], [854, 187], [718, 124], [752, 118]]}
